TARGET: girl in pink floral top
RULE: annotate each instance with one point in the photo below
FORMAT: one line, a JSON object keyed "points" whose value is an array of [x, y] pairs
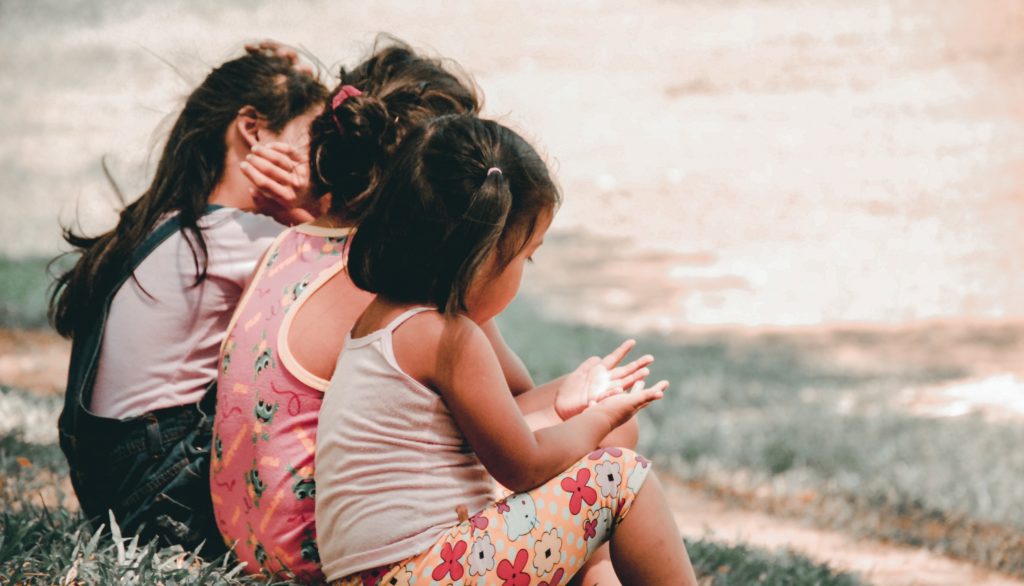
{"points": [[265, 429]]}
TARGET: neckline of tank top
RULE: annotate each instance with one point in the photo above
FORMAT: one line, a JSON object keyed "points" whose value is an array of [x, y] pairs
{"points": [[390, 327], [312, 230]]}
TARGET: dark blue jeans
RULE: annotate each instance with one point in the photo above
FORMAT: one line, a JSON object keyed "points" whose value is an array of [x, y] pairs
{"points": [[151, 471]]}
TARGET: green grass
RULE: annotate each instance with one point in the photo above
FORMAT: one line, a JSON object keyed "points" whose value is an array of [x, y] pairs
{"points": [[43, 545], [779, 411], [742, 565], [24, 287], [787, 415]]}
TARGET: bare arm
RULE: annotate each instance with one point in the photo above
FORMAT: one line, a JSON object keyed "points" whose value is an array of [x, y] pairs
{"points": [[456, 358], [516, 375]]}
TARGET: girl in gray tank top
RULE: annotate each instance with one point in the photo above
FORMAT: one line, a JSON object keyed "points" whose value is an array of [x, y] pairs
{"points": [[418, 418]]}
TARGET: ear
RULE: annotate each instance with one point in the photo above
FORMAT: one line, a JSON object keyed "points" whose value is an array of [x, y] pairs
{"points": [[249, 122]]}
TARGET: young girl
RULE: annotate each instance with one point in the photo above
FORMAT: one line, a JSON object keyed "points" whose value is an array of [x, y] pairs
{"points": [[418, 417], [285, 337], [148, 302]]}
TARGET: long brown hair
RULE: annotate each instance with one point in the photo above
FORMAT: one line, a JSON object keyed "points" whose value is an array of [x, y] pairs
{"points": [[400, 90], [190, 166]]}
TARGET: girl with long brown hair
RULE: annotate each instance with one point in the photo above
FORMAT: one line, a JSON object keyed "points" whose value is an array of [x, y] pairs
{"points": [[147, 303]]}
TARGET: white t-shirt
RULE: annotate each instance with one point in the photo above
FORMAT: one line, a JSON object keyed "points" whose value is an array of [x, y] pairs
{"points": [[160, 350]]}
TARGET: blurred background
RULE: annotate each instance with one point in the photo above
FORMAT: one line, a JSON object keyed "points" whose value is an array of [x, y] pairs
{"points": [[812, 213]]}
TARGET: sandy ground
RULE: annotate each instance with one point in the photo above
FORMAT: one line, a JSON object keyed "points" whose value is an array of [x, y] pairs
{"points": [[36, 360], [879, 563]]}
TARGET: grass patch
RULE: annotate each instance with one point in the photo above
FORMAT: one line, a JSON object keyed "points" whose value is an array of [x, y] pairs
{"points": [[789, 415], [45, 545], [741, 565], [40, 545], [24, 290]]}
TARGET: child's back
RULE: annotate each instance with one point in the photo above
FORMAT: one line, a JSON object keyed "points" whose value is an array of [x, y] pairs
{"points": [[261, 474], [392, 465]]}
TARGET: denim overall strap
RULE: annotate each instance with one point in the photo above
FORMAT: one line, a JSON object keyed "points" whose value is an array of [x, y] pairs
{"points": [[85, 348]]}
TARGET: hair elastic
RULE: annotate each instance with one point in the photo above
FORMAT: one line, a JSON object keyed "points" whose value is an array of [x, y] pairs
{"points": [[346, 92], [493, 170]]}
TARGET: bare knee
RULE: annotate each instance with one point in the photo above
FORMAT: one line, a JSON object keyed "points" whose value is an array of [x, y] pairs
{"points": [[623, 436]]}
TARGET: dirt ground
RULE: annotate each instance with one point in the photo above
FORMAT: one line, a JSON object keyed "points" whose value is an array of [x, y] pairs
{"points": [[36, 360], [884, 564]]}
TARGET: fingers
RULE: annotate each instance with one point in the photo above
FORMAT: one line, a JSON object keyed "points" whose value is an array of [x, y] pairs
{"points": [[283, 51], [280, 152], [284, 175], [644, 397], [281, 183], [274, 47], [639, 363], [636, 398], [268, 186], [281, 155], [266, 205], [633, 378], [616, 355], [284, 171], [658, 389]]}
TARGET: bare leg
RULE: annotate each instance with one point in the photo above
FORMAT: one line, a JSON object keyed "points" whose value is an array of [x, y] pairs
{"points": [[646, 547], [598, 570]]}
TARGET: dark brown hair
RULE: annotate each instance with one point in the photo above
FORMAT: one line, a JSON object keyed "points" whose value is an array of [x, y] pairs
{"points": [[440, 212], [400, 90], [191, 165]]}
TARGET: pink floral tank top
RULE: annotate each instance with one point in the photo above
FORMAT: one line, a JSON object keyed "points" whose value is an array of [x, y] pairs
{"points": [[264, 435]]}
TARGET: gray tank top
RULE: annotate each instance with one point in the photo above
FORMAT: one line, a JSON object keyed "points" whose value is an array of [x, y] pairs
{"points": [[391, 464]]}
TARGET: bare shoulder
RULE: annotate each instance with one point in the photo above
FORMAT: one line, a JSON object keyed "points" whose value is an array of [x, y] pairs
{"points": [[429, 344]]}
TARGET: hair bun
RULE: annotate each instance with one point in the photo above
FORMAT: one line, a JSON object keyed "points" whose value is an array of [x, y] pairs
{"points": [[378, 102], [362, 118]]}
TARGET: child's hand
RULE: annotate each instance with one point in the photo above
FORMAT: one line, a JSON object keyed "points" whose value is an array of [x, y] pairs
{"points": [[624, 377], [599, 377], [575, 392], [272, 47], [281, 177], [620, 406]]}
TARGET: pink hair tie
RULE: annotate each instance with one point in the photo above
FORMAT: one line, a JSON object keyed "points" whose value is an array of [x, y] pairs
{"points": [[346, 92]]}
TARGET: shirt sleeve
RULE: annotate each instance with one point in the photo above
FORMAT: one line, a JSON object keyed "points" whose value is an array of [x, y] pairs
{"points": [[236, 241]]}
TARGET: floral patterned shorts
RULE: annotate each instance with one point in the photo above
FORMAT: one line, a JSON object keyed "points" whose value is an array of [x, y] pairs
{"points": [[542, 537]]}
